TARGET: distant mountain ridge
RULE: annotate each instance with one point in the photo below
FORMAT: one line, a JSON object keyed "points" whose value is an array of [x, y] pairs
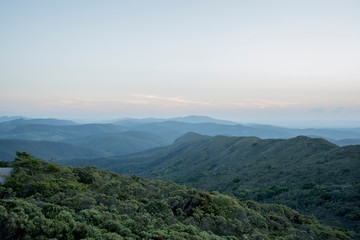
{"points": [[201, 119], [95, 145], [112, 139], [47, 150], [45, 121], [6, 118], [169, 129], [13, 130], [120, 143], [186, 119], [311, 175], [172, 130]]}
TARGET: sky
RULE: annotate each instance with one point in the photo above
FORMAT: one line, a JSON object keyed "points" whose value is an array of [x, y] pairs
{"points": [[275, 62]]}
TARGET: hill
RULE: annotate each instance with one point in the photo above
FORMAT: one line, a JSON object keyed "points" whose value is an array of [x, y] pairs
{"points": [[45, 121], [46, 201], [187, 119], [168, 130], [310, 175], [45, 149], [6, 118], [92, 146], [175, 129], [119, 143], [13, 130], [79, 140], [201, 119]]}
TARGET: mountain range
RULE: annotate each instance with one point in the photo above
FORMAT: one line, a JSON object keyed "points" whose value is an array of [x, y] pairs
{"points": [[133, 135], [264, 163]]}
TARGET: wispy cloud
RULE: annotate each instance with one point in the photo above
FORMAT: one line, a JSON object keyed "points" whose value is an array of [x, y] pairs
{"points": [[171, 101], [132, 99], [92, 102], [262, 103]]}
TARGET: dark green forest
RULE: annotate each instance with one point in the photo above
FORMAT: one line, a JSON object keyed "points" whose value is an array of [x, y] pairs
{"points": [[42, 200], [311, 175]]}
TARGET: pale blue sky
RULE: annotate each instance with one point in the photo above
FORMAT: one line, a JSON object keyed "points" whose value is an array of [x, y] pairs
{"points": [[259, 61]]}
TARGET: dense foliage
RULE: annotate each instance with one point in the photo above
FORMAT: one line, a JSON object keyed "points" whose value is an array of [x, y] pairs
{"points": [[310, 175], [46, 201]]}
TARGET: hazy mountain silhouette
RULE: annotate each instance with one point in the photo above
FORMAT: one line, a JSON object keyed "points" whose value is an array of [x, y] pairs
{"points": [[46, 150]]}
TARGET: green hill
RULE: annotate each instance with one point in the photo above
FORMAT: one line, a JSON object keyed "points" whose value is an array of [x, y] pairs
{"points": [[120, 143], [168, 130], [35, 130], [46, 201], [173, 130], [310, 175], [98, 139], [45, 149]]}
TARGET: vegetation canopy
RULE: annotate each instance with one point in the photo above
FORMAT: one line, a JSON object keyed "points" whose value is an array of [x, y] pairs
{"points": [[310, 175], [43, 200]]}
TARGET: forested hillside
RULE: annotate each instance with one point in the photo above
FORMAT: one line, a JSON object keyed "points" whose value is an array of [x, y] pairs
{"points": [[42, 201], [48, 150], [132, 135], [310, 175], [59, 139], [119, 143]]}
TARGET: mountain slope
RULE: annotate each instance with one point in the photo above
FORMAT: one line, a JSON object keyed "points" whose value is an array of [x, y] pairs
{"points": [[46, 201], [62, 130], [107, 139], [45, 121], [173, 129], [45, 149], [201, 119], [120, 143], [6, 118], [141, 162], [311, 175], [186, 119], [12, 130]]}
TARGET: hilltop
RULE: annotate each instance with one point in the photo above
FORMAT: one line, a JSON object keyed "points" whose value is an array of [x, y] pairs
{"points": [[42, 200], [310, 175]]}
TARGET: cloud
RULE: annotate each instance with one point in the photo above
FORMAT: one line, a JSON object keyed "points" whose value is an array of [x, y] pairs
{"points": [[152, 101], [262, 103], [160, 101], [84, 103], [171, 101], [133, 99]]}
